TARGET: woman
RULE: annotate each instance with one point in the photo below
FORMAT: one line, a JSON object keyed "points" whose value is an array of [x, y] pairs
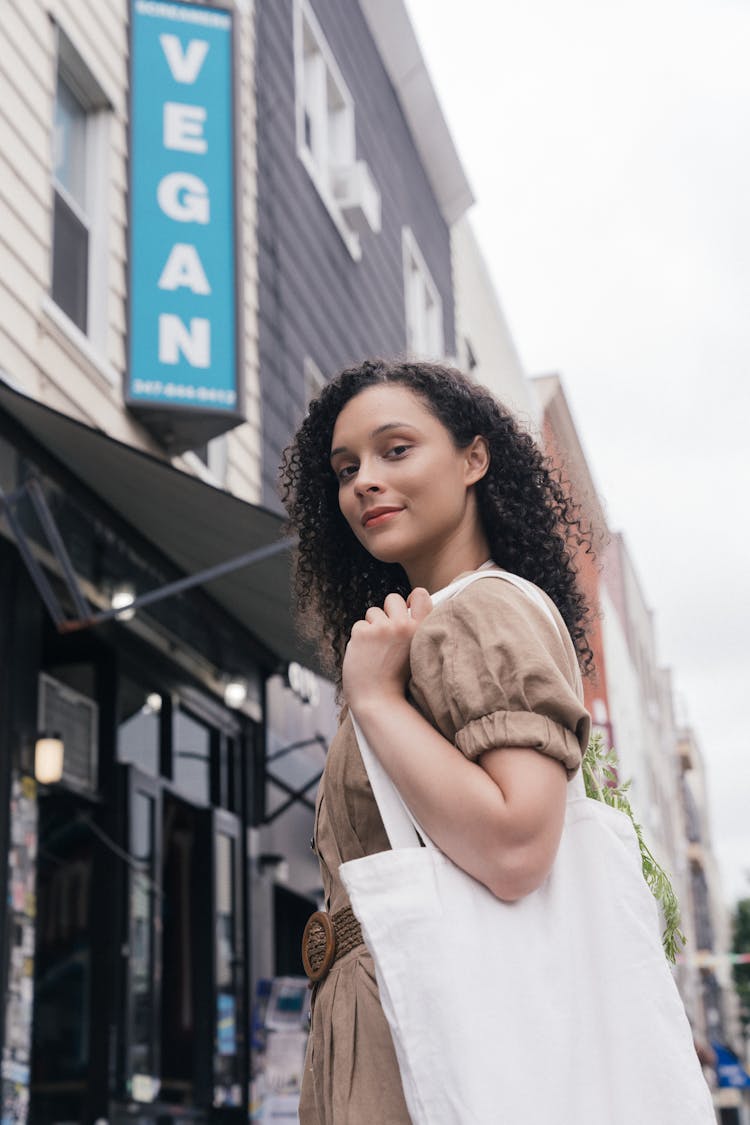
{"points": [[402, 477]]}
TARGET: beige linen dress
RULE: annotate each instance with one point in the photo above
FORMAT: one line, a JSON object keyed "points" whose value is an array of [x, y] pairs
{"points": [[488, 670]]}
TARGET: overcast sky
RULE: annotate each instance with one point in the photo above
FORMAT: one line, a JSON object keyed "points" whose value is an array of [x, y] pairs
{"points": [[608, 145]]}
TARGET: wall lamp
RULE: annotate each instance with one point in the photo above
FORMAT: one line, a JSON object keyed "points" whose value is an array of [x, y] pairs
{"points": [[235, 692], [49, 757], [123, 596]]}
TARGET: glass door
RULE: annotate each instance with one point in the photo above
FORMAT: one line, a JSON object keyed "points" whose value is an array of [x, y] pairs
{"points": [[186, 941], [230, 1065], [184, 1004], [61, 1044], [142, 992]]}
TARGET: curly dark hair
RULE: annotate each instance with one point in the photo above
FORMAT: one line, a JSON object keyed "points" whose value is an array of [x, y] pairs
{"points": [[532, 525]]}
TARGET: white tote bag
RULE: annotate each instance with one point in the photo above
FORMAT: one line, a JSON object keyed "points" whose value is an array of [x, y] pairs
{"points": [[557, 1009]]}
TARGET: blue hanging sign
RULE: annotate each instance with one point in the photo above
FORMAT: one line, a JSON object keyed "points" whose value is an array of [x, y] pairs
{"points": [[183, 292]]}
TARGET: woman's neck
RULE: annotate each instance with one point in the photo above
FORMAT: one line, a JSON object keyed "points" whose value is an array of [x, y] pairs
{"points": [[437, 571]]}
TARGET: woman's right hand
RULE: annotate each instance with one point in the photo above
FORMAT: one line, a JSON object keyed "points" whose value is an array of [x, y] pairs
{"points": [[376, 662]]}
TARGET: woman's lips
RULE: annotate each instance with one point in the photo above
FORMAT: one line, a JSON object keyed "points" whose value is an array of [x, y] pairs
{"points": [[380, 517]]}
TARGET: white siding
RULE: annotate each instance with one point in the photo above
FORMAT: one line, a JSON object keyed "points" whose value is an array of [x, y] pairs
{"points": [[39, 350], [480, 321]]}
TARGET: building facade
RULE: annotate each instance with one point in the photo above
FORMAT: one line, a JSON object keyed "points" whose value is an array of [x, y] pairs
{"points": [[485, 349], [66, 273], [358, 184], [206, 210], [631, 701], [706, 956], [124, 945], [562, 445]]}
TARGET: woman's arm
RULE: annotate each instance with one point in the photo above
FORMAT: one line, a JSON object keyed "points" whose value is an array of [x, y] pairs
{"points": [[500, 820]]}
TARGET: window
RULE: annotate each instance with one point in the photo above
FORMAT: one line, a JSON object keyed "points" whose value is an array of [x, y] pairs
{"points": [[191, 757], [424, 309], [139, 715], [326, 142], [70, 253], [79, 180]]}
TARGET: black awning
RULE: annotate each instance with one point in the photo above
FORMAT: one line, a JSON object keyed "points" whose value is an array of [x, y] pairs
{"points": [[193, 524]]}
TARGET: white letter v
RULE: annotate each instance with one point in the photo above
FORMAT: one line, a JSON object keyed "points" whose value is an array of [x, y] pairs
{"points": [[185, 65]]}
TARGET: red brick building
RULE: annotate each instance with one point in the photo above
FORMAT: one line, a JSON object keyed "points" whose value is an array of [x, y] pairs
{"points": [[563, 447]]}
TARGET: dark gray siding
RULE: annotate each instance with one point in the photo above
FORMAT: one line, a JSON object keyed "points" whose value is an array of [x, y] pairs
{"points": [[314, 299]]}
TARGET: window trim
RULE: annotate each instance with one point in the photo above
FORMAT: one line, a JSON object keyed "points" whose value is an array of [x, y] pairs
{"points": [[410, 250], [314, 380], [76, 343], [303, 14], [78, 76]]}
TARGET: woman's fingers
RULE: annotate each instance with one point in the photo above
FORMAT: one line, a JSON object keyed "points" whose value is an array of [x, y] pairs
{"points": [[398, 611], [419, 603], [395, 607]]}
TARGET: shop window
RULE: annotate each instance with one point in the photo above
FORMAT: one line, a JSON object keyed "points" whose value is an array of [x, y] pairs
{"points": [[63, 962], [145, 915], [300, 722], [139, 715], [326, 142], [424, 309], [228, 776], [191, 757], [80, 181], [226, 1061], [142, 918]]}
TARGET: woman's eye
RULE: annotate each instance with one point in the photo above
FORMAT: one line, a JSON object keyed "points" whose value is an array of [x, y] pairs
{"points": [[346, 472], [398, 450]]}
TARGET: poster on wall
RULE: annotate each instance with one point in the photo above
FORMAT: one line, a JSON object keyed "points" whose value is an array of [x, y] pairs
{"points": [[279, 1033], [16, 1062], [183, 370]]}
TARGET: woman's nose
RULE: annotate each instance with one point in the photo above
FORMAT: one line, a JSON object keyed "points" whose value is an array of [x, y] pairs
{"points": [[366, 480], [363, 487]]}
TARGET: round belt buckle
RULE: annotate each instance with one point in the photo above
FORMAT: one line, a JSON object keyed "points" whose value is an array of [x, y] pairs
{"points": [[318, 945]]}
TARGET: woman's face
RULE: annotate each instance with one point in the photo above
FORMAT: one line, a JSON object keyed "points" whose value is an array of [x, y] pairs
{"points": [[404, 488]]}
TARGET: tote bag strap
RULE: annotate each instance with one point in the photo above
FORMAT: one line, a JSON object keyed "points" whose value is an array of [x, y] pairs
{"points": [[402, 829]]}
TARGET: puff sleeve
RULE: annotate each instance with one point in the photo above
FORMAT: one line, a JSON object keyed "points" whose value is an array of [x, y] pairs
{"points": [[490, 670]]}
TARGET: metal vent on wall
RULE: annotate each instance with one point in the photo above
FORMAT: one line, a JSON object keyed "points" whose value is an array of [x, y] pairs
{"points": [[75, 718]]}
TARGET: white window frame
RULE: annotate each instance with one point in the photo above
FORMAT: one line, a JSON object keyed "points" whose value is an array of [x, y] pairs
{"points": [[218, 457], [424, 325], [315, 380], [314, 72], [97, 105]]}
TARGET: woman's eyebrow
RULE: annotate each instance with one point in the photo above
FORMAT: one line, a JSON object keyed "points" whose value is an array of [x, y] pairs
{"points": [[374, 433]]}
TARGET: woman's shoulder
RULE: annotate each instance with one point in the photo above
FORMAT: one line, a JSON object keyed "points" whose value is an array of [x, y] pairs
{"points": [[492, 598], [496, 613]]}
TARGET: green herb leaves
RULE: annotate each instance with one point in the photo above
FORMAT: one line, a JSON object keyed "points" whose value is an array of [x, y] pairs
{"points": [[601, 779]]}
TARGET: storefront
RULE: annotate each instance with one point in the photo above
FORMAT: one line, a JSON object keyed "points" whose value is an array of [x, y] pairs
{"points": [[135, 892]]}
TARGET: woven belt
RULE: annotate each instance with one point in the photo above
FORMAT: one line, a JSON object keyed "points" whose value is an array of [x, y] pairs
{"points": [[326, 938]]}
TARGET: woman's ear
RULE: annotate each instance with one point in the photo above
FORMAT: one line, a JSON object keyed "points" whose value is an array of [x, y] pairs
{"points": [[477, 459]]}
